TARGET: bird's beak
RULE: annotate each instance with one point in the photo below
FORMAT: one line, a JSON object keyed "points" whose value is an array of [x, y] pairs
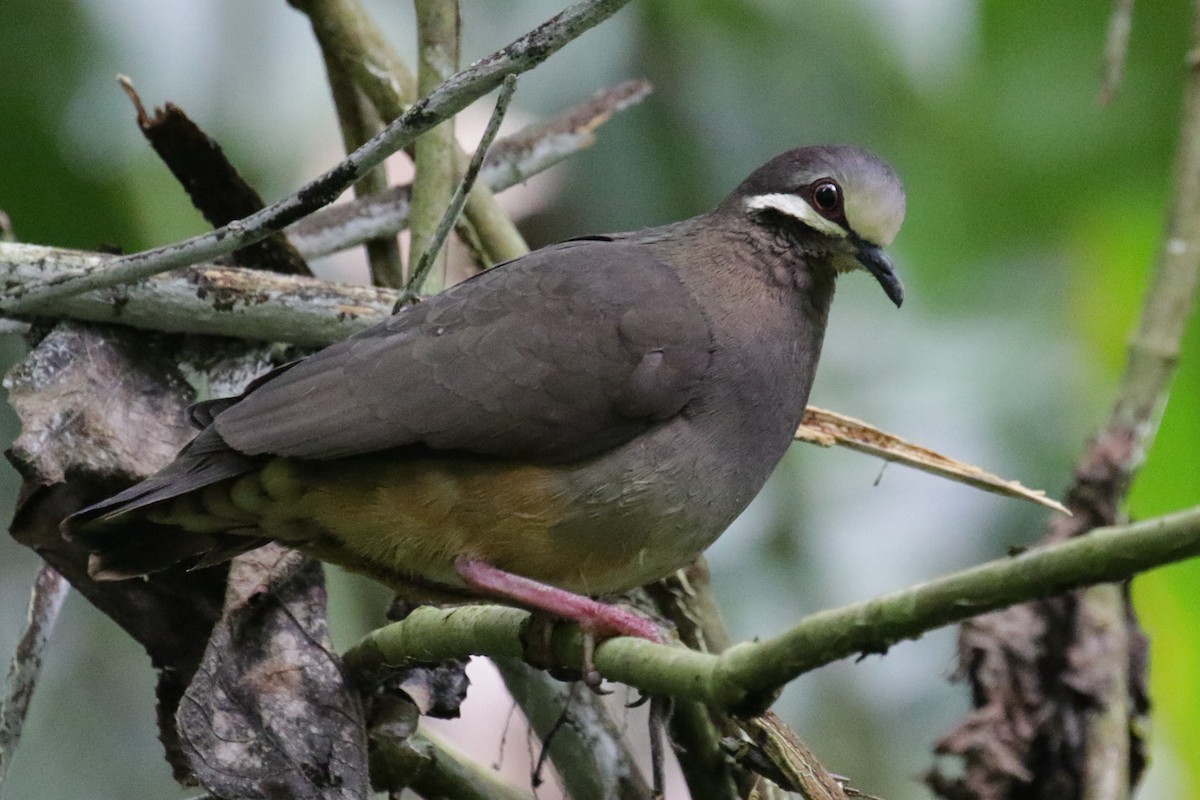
{"points": [[877, 263]]}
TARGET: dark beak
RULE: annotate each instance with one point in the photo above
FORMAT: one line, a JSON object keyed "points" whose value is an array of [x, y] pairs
{"points": [[878, 264]]}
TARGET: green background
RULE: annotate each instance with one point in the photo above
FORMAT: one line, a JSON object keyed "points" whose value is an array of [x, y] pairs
{"points": [[1034, 218]]}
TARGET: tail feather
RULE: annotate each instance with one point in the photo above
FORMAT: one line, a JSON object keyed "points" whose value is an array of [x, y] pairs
{"points": [[205, 461], [125, 544]]}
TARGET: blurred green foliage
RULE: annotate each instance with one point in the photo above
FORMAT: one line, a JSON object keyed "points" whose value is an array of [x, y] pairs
{"points": [[1034, 218]]}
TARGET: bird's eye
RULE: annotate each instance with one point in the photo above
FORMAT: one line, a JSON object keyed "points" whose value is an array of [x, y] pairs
{"points": [[827, 197]]}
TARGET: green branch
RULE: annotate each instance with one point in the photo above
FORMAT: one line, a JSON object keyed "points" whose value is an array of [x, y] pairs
{"points": [[741, 677], [432, 768], [438, 26], [359, 121], [425, 264]]}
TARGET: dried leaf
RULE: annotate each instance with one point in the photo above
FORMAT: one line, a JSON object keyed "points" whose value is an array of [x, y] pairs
{"points": [[827, 428], [81, 393], [101, 407], [212, 182], [269, 713]]}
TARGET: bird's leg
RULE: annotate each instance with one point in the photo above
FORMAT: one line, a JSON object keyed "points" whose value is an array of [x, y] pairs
{"points": [[594, 617]]}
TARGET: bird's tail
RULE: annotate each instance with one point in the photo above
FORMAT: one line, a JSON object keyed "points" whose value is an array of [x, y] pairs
{"points": [[141, 530]]}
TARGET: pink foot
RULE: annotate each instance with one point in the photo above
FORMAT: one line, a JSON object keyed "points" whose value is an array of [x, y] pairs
{"points": [[591, 615]]}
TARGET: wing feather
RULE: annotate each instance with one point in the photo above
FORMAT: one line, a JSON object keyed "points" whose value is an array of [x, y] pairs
{"points": [[558, 355]]}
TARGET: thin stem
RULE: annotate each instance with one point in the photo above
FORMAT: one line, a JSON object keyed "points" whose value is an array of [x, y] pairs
{"points": [[511, 160], [50, 589], [459, 199], [1116, 46]]}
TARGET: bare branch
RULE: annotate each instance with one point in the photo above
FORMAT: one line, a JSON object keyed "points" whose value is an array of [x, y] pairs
{"points": [[512, 160], [50, 589], [482, 77], [224, 301]]}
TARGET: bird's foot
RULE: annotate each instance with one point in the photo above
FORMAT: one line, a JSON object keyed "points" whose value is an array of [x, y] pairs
{"points": [[597, 620]]}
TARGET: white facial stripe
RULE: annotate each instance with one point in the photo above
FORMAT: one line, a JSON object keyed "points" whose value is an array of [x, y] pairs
{"points": [[795, 207]]}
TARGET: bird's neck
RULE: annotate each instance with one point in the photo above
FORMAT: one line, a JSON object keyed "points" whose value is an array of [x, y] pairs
{"points": [[768, 301], [747, 270]]}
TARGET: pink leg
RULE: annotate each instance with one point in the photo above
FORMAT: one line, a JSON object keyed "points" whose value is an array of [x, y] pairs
{"points": [[592, 616]]}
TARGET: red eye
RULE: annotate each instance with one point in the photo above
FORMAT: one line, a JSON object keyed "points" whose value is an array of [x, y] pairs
{"points": [[827, 197]]}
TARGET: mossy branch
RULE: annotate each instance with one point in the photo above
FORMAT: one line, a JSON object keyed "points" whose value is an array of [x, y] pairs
{"points": [[359, 121], [438, 31], [741, 677]]}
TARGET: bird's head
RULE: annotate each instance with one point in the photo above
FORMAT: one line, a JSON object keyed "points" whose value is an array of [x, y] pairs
{"points": [[848, 198]]}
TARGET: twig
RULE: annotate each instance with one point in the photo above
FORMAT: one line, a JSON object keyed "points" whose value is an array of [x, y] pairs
{"points": [[438, 31], [486, 74], [391, 87], [511, 160], [1116, 45], [459, 198], [741, 677], [49, 591]]}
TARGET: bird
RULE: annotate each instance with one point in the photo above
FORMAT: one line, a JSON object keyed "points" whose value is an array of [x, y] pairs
{"points": [[577, 422]]}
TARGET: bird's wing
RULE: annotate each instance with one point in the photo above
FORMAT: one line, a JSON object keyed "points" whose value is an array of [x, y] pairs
{"points": [[558, 355]]}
